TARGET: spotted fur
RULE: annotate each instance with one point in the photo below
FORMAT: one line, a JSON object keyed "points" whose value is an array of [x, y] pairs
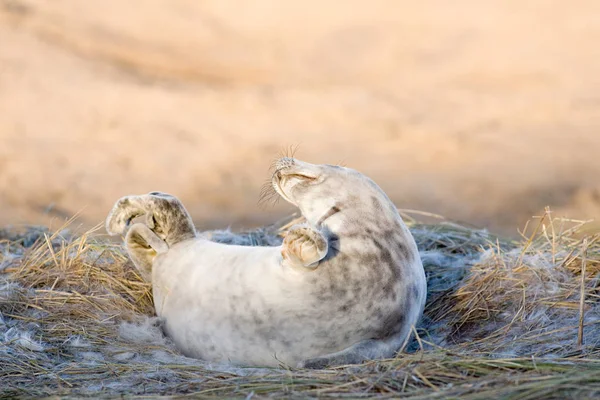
{"points": [[346, 287]]}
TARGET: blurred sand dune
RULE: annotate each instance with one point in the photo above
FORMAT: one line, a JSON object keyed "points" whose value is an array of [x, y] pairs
{"points": [[481, 111]]}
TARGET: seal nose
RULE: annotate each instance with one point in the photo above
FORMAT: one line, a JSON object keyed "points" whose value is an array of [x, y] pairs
{"points": [[284, 162]]}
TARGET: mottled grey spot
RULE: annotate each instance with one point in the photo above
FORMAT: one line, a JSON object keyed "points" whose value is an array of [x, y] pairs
{"points": [[344, 308], [414, 292], [392, 323], [368, 259], [376, 203]]}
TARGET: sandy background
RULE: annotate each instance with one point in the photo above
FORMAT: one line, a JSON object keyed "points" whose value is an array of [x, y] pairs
{"points": [[484, 111]]}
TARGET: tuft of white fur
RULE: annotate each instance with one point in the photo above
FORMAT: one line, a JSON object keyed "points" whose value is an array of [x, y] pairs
{"points": [[9, 291], [146, 331], [77, 342], [23, 339]]}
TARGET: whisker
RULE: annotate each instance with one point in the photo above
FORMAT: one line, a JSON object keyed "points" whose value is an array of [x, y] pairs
{"points": [[282, 153], [293, 149], [268, 195], [289, 151], [273, 165]]}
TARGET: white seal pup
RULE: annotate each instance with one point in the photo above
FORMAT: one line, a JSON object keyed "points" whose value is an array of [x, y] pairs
{"points": [[345, 287]]}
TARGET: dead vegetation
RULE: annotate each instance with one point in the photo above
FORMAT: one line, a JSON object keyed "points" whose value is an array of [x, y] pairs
{"points": [[504, 319]]}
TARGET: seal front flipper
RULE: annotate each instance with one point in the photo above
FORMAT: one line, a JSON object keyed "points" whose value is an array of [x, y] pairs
{"points": [[143, 245], [167, 222], [303, 247]]}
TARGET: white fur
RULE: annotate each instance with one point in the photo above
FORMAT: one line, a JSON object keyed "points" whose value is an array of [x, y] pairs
{"points": [[182, 277]]}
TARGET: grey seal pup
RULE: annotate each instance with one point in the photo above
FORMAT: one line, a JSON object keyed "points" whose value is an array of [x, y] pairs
{"points": [[345, 287]]}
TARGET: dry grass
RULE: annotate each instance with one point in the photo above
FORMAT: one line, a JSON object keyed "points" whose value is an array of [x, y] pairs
{"points": [[504, 319]]}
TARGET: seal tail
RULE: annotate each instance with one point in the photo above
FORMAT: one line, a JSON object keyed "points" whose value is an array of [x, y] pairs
{"points": [[167, 222]]}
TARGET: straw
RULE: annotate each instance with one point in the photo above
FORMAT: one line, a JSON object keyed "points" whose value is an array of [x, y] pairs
{"points": [[504, 319]]}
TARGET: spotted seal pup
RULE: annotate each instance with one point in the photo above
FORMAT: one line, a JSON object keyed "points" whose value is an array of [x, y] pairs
{"points": [[345, 287]]}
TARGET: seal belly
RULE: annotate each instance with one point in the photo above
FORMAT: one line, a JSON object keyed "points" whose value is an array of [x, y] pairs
{"points": [[234, 306]]}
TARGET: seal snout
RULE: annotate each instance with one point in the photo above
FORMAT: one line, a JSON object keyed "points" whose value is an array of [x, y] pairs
{"points": [[284, 162]]}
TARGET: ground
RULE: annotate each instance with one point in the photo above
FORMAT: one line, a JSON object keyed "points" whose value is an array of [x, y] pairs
{"points": [[503, 320], [482, 111]]}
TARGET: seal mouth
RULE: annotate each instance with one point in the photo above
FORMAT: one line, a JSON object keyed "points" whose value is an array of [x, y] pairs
{"points": [[277, 182]]}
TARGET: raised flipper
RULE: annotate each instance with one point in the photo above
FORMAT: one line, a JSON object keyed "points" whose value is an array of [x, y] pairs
{"points": [[303, 247], [167, 222], [143, 245]]}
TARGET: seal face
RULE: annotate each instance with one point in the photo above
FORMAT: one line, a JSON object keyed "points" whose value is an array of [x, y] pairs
{"points": [[346, 286]]}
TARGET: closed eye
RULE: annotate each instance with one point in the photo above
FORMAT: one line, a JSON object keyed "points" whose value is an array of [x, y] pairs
{"points": [[301, 176]]}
